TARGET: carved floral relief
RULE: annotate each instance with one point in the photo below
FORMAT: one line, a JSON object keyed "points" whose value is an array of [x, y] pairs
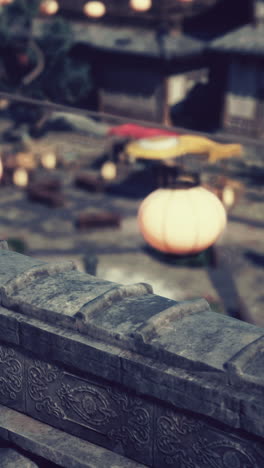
{"points": [[90, 403], [143, 430], [40, 377], [186, 442], [136, 421], [11, 374]]}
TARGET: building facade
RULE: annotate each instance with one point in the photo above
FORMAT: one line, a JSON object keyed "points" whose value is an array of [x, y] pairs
{"points": [[241, 54]]}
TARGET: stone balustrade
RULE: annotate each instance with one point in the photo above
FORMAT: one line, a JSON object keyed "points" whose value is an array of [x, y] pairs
{"points": [[118, 371]]}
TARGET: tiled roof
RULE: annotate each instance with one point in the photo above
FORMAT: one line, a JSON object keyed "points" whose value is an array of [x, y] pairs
{"points": [[248, 39], [131, 40]]}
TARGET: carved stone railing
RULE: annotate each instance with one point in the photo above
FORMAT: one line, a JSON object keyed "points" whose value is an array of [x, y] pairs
{"points": [[164, 383]]}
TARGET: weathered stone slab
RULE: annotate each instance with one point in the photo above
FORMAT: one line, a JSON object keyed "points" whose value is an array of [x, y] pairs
{"points": [[55, 445], [11, 378], [3, 245], [184, 441], [204, 338], [248, 364], [103, 361], [110, 312], [56, 293], [13, 264], [9, 329], [96, 411], [119, 313], [10, 458], [246, 369]]}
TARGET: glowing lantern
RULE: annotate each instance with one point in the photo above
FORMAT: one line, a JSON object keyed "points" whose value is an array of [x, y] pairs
{"points": [[108, 170], [181, 221], [49, 7], [26, 160], [20, 177], [49, 160], [94, 9], [4, 104], [141, 5]]}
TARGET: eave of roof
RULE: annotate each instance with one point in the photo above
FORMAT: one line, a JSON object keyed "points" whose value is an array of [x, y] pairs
{"points": [[248, 39], [134, 41]]}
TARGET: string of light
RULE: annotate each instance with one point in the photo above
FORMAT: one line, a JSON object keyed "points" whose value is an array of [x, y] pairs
{"points": [[92, 8], [95, 9]]}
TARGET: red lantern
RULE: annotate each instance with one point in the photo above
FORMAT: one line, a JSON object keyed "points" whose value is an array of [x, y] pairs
{"points": [[181, 221]]}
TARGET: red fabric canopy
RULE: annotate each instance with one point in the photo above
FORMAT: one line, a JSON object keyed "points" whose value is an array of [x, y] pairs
{"points": [[137, 131]]}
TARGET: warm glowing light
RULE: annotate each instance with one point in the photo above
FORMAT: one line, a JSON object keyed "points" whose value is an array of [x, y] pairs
{"points": [[4, 103], [49, 7], [6, 2], [141, 5], [228, 197], [20, 177], [181, 221], [94, 9], [108, 171], [49, 160], [26, 160]]}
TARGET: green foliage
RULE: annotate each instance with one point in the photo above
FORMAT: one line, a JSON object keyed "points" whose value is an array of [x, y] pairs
{"points": [[66, 82], [64, 78], [14, 17], [57, 37]]}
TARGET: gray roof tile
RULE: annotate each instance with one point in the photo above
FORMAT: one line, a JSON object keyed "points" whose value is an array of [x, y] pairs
{"points": [[248, 39], [131, 40]]}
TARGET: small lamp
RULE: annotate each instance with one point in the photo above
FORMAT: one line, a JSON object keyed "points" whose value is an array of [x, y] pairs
{"points": [[20, 177], [4, 103], [94, 9], [141, 5], [49, 160], [49, 7]]}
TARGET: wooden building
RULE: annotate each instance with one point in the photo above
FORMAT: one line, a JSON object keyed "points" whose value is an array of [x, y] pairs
{"points": [[147, 62], [238, 58], [143, 61]]}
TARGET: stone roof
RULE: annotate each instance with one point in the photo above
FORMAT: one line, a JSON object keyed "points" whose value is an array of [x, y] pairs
{"points": [[248, 39], [131, 40], [100, 360]]}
